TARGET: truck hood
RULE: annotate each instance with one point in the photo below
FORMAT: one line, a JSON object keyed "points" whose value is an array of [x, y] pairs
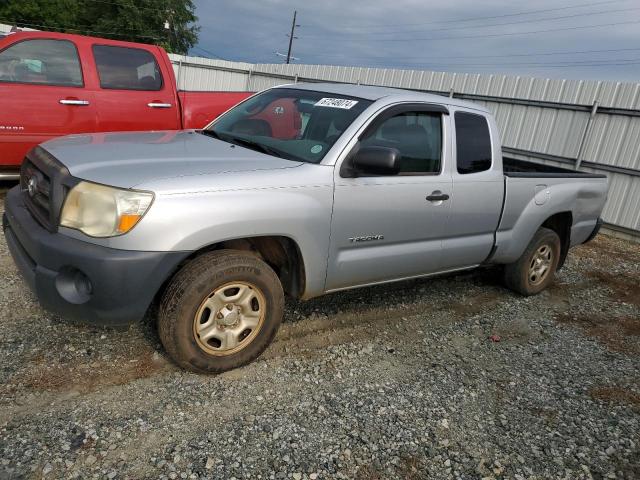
{"points": [[134, 158]]}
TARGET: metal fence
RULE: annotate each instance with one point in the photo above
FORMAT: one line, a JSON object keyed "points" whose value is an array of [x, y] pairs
{"points": [[4, 28], [593, 125]]}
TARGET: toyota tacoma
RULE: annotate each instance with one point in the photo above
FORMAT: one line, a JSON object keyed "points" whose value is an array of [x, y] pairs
{"points": [[300, 190]]}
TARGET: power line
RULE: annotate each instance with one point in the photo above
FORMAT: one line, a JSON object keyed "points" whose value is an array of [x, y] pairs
{"points": [[547, 19], [469, 19], [215, 55], [51, 27], [621, 64], [619, 61], [610, 50], [506, 34], [608, 61], [539, 66], [124, 5], [200, 55]]}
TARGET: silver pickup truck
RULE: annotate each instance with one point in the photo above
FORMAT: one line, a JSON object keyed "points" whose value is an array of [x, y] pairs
{"points": [[300, 190]]}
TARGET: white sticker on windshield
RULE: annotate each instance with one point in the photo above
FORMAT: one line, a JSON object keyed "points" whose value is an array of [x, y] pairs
{"points": [[316, 149], [336, 103]]}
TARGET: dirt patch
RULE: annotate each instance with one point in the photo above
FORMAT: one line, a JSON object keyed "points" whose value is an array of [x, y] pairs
{"points": [[618, 334], [624, 288], [548, 415], [477, 304], [617, 396], [317, 333], [608, 248], [408, 468], [88, 376], [369, 473]]}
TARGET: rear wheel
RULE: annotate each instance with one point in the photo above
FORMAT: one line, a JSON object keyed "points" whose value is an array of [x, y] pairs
{"points": [[535, 269], [220, 311]]}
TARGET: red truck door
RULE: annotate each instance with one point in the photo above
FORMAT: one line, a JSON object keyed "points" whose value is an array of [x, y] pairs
{"points": [[133, 92], [42, 95]]}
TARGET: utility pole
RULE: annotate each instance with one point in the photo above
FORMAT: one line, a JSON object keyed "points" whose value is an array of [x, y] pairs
{"points": [[291, 36]]}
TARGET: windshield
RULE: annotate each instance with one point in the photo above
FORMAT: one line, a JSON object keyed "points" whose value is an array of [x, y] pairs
{"points": [[289, 123]]}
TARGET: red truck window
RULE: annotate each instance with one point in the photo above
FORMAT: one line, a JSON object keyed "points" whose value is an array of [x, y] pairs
{"points": [[43, 62], [123, 68]]}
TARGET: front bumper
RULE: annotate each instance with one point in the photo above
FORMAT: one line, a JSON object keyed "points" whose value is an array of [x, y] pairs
{"points": [[80, 280]]}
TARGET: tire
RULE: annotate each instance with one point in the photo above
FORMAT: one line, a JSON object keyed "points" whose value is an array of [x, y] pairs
{"points": [[220, 311], [525, 275]]}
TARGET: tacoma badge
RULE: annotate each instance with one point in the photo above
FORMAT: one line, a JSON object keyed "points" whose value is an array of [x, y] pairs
{"points": [[366, 238]]}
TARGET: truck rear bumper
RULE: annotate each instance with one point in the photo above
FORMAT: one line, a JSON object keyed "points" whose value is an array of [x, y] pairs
{"points": [[80, 280]]}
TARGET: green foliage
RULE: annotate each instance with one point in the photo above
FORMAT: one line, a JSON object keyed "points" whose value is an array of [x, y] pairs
{"points": [[141, 21]]}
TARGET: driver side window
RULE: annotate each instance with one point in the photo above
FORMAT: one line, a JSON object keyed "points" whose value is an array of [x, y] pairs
{"points": [[418, 138], [41, 62]]}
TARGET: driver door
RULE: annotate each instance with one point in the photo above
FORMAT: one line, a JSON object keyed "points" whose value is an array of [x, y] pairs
{"points": [[384, 227], [42, 95]]}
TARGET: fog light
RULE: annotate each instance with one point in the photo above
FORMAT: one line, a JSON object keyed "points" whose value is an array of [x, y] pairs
{"points": [[73, 285]]}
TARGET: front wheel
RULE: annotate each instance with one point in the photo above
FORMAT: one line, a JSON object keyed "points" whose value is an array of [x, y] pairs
{"points": [[535, 269], [220, 311]]}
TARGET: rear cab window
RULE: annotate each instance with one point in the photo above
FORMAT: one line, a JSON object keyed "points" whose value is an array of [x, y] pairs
{"points": [[473, 143], [124, 68], [41, 62]]}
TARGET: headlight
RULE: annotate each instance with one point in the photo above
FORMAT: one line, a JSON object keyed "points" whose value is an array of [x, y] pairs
{"points": [[101, 211]]}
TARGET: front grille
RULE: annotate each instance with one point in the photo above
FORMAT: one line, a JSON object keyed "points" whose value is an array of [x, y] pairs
{"points": [[44, 183], [38, 198]]}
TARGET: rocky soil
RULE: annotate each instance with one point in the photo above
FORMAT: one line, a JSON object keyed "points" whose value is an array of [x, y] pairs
{"points": [[452, 377]]}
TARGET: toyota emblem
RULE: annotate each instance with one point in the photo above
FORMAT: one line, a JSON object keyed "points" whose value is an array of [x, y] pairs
{"points": [[32, 186]]}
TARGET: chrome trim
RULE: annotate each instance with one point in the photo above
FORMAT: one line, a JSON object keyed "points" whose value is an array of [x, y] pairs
{"points": [[159, 105], [74, 102], [10, 176]]}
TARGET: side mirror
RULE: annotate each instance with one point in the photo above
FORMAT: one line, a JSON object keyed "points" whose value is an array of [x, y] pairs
{"points": [[376, 161]]}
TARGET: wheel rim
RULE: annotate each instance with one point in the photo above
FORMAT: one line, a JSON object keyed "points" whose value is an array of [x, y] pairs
{"points": [[540, 265], [229, 318]]}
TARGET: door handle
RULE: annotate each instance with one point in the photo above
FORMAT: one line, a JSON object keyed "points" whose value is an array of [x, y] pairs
{"points": [[437, 196], [158, 105], [66, 101]]}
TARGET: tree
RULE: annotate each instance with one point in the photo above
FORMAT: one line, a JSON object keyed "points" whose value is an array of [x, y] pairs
{"points": [[168, 23]]}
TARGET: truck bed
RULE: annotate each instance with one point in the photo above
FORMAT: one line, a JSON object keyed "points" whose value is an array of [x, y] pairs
{"points": [[536, 192], [514, 167]]}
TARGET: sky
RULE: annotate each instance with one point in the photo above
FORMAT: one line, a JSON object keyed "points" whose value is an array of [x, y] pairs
{"points": [[573, 39]]}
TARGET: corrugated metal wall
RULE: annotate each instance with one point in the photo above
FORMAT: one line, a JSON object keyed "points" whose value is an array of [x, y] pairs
{"points": [[594, 124], [4, 28], [203, 74]]}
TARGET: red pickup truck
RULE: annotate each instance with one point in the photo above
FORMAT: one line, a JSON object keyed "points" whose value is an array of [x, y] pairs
{"points": [[54, 84]]}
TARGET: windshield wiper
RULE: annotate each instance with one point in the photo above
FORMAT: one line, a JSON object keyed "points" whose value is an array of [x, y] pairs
{"points": [[260, 147], [243, 142], [212, 133]]}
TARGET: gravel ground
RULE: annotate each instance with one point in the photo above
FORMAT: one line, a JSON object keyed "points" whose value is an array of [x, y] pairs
{"points": [[397, 381]]}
